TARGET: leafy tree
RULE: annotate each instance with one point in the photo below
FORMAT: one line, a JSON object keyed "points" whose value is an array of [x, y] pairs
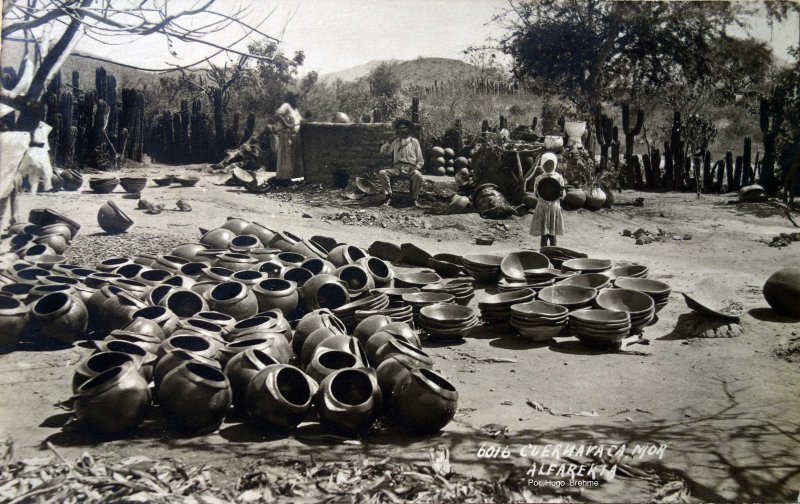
{"points": [[384, 81]]}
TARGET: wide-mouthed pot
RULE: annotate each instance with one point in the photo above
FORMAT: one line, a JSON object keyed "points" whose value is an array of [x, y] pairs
{"points": [[313, 321], [132, 287], [348, 400], [184, 303], [18, 291], [281, 322], [325, 291], [345, 254], [394, 368], [284, 240], [219, 238], [262, 232], [224, 321], [162, 316], [112, 219], [55, 241], [113, 402], [60, 316], [243, 244], [280, 396], [308, 248], [272, 267], [276, 293], [381, 273], [327, 360], [313, 340], [235, 261], [195, 397], [97, 363], [188, 250], [241, 368], [233, 298], [37, 292], [318, 265], [13, 321], [236, 225], [118, 309], [131, 271], [424, 401], [370, 326], [174, 358]]}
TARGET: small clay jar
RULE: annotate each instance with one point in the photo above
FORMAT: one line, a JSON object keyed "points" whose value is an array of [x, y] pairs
{"points": [[60, 316], [114, 401], [280, 396], [348, 400], [241, 368], [233, 298], [195, 397], [424, 401], [275, 293]]}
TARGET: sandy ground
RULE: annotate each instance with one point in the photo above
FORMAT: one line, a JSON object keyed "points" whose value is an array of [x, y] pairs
{"points": [[726, 409]]}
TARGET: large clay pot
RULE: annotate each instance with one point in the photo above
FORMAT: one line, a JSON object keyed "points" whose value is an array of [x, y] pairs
{"points": [[381, 273], [156, 294], [375, 342], [258, 324], [280, 396], [403, 331], [271, 267], [160, 315], [297, 275], [94, 306], [256, 341], [264, 234], [280, 322], [35, 252], [174, 358], [147, 342], [46, 216], [131, 271], [233, 298], [169, 263], [235, 262], [18, 291], [241, 368], [348, 400], [218, 238], [144, 360], [574, 199], [118, 309], [308, 248], [152, 277], [112, 219], [424, 401], [193, 270], [325, 291], [265, 254], [144, 326], [39, 291], [396, 346], [595, 199], [145, 259], [284, 240], [236, 225], [188, 251], [109, 265], [782, 291], [344, 343], [114, 401], [60, 317], [97, 363], [370, 326], [310, 323], [98, 279], [276, 293], [132, 287], [243, 244], [55, 241], [223, 320], [394, 368], [291, 258], [184, 303], [249, 277], [313, 340], [59, 229], [328, 360], [195, 397], [318, 266], [72, 179], [180, 282], [13, 321], [345, 254], [203, 287]]}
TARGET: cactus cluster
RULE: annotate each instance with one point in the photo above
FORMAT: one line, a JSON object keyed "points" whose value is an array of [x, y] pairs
{"points": [[633, 175]]}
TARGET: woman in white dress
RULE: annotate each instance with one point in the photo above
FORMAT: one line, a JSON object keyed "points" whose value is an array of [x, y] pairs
{"points": [[547, 219], [288, 124]]}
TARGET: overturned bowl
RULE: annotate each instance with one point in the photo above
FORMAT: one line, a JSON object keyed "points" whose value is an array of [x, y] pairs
{"points": [[569, 296], [112, 219]]}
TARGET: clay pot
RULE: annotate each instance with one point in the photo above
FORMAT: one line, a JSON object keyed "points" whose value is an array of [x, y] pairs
{"points": [[40, 291], [13, 321], [275, 293], [60, 317], [424, 401], [370, 326], [310, 323], [131, 271], [209, 256], [18, 291], [195, 397], [243, 244], [72, 180], [357, 278], [180, 282], [280, 396], [272, 268], [209, 330], [574, 199], [394, 347], [250, 342], [291, 258], [55, 241], [190, 342], [249, 277], [345, 254], [132, 287], [98, 279], [235, 262], [263, 233], [233, 298], [46, 216], [235, 225], [386, 250], [313, 340], [35, 252], [297, 275], [58, 280], [109, 265], [381, 273], [188, 251], [219, 238], [174, 358], [113, 402], [595, 199], [344, 343], [280, 322], [403, 331], [169, 263], [328, 360], [193, 270], [781, 288], [241, 368], [149, 344], [348, 400], [184, 303], [145, 326], [143, 359], [223, 320], [204, 287], [283, 240], [218, 274], [259, 324], [112, 219], [375, 342], [308, 248], [325, 291], [97, 363], [118, 309], [318, 266], [264, 254], [394, 368], [157, 293], [414, 255], [162, 316], [58, 228], [145, 259], [30, 275], [152, 277], [94, 306]]}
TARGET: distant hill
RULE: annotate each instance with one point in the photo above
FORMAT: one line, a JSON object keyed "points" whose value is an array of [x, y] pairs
{"points": [[419, 72]]}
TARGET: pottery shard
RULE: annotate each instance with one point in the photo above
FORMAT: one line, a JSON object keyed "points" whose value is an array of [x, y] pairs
{"points": [[701, 326]]}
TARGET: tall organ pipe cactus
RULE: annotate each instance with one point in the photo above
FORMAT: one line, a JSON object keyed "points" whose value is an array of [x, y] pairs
{"points": [[630, 133], [769, 120], [748, 176], [603, 131]]}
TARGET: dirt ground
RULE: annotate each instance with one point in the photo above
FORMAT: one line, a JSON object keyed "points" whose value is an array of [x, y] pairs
{"points": [[726, 409]]}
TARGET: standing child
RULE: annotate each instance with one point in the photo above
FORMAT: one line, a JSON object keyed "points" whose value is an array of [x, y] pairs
{"points": [[547, 219]]}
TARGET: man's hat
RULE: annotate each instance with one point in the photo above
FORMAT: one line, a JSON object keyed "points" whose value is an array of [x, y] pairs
{"points": [[400, 121]]}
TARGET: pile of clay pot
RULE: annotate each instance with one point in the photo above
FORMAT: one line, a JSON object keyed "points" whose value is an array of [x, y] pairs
{"points": [[246, 318]]}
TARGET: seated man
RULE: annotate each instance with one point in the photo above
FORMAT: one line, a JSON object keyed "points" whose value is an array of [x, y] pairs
{"points": [[407, 160]]}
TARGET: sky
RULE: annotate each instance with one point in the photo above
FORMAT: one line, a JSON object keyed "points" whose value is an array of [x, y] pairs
{"points": [[339, 34]]}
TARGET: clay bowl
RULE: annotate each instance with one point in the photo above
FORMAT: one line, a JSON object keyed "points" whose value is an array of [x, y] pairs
{"points": [[505, 300], [103, 185], [652, 288], [482, 261], [541, 274], [569, 296], [601, 340], [538, 333], [112, 219], [599, 318], [626, 300], [538, 310], [506, 286], [419, 299], [133, 184], [445, 313], [632, 270], [444, 268], [451, 258], [396, 293], [514, 265], [594, 280], [587, 265], [709, 297], [416, 279], [187, 181], [163, 182]]}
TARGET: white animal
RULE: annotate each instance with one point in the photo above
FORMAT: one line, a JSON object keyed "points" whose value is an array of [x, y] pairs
{"points": [[22, 155]]}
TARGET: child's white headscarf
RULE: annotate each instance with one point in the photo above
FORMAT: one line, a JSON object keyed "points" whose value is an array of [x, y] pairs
{"points": [[549, 156]]}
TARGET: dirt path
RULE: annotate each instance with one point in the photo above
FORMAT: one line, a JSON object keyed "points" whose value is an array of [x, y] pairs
{"points": [[725, 408]]}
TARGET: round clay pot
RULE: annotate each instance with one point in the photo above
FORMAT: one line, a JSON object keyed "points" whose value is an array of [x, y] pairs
{"points": [[184, 303], [223, 320], [157, 293], [235, 262], [381, 273], [318, 266], [98, 279], [264, 234], [595, 199], [235, 225], [188, 251], [348, 400], [243, 244], [193, 270], [112, 219], [424, 401], [344, 343], [283, 240], [94, 306], [152, 276], [174, 358], [265, 254], [58, 280], [280, 396], [327, 360], [310, 323], [55, 241], [144, 326], [313, 340], [280, 322], [31, 275], [781, 288], [109, 265], [60, 316], [233, 298], [97, 363], [394, 368], [385, 250], [18, 291], [325, 291], [72, 179], [375, 342], [308, 248], [209, 256], [132, 287], [241, 368], [345, 254], [40, 291], [357, 278], [13, 321], [574, 199], [161, 315], [403, 331], [113, 402], [143, 359], [131, 271], [259, 324], [194, 343], [147, 342], [209, 330], [219, 238], [179, 281], [397, 346], [249, 277], [195, 397], [276, 293], [291, 258], [35, 252], [145, 259], [370, 326], [240, 345], [169, 263], [272, 268], [117, 310]]}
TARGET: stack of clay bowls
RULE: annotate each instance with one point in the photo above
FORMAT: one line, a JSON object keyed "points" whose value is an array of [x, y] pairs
{"points": [[539, 278], [628, 270], [557, 255], [658, 291], [417, 279], [600, 328], [445, 322], [537, 320], [396, 313], [638, 305], [593, 280], [572, 297], [586, 265], [461, 288], [372, 301], [514, 265], [484, 268], [496, 309], [418, 300], [395, 294]]}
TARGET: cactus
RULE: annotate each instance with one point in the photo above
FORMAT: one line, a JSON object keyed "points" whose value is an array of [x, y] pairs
{"points": [[52, 110], [630, 133], [113, 120], [138, 139], [615, 144], [219, 125], [719, 169], [168, 133], [638, 182], [603, 131], [185, 121], [655, 168], [415, 110], [101, 83], [748, 176], [729, 172], [69, 151], [99, 131], [111, 90], [770, 119], [54, 86], [76, 80], [708, 179], [677, 152], [737, 172], [197, 132], [177, 129], [55, 140], [648, 170]]}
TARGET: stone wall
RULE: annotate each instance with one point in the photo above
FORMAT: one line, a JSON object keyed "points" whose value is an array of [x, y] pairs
{"points": [[332, 152]]}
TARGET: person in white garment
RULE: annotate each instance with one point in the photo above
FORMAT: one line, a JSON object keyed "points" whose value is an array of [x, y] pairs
{"points": [[288, 120], [548, 222], [407, 159]]}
